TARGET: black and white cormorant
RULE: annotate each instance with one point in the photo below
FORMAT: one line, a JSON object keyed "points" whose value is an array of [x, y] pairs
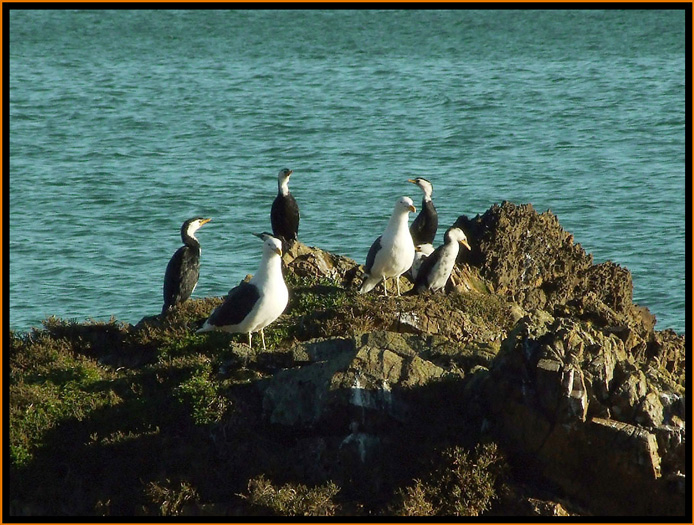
{"points": [[284, 215], [424, 226], [253, 305], [183, 270], [392, 253], [437, 267]]}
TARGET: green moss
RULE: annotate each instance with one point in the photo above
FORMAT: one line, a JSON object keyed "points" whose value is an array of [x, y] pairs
{"points": [[202, 395]]}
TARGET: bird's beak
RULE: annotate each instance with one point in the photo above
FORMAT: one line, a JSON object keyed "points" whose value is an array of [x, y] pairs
{"points": [[412, 181], [278, 251], [290, 172], [205, 221], [464, 243], [259, 235], [412, 209]]}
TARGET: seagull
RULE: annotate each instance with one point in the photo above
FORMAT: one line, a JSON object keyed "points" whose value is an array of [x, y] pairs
{"points": [[437, 267], [421, 252], [284, 215], [253, 305], [424, 226], [392, 253], [183, 270]]}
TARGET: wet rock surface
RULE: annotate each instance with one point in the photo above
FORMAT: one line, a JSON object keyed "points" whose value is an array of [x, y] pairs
{"points": [[532, 346]]}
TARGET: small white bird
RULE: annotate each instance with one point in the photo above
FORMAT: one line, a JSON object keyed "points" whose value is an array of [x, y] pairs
{"points": [[392, 253], [421, 252], [253, 305], [437, 267]]}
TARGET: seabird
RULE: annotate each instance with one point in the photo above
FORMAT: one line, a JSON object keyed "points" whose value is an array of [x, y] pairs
{"points": [[284, 215], [253, 305], [421, 252], [392, 253], [437, 267], [183, 270], [424, 226]]}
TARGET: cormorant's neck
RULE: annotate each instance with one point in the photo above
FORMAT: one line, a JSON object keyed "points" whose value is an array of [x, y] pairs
{"points": [[283, 187], [427, 196], [190, 240]]}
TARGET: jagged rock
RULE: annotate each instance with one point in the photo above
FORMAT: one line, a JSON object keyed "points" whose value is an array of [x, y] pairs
{"points": [[570, 400]]}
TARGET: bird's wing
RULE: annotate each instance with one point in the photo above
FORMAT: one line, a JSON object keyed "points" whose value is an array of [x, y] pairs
{"points": [[371, 256], [424, 273], [237, 305], [284, 217], [171, 277]]}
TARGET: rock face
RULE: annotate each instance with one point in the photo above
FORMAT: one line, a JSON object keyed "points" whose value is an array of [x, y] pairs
{"points": [[583, 392]]}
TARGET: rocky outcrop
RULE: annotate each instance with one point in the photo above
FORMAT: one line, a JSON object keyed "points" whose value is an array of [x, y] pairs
{"points": [[583, 391], [533, 346]]}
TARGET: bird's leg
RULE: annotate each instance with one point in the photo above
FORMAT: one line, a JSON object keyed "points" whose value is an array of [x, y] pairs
{"points": [[262, 336], [250, 336], [397, 280], [385, 287]]}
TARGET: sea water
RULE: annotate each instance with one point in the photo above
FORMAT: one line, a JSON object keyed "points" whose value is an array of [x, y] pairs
{"points": [[125, 123]]}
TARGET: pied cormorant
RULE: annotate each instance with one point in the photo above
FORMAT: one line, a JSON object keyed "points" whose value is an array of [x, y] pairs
{"points": [[183, 270], [424, 226], [437, 267], [284, 215]]}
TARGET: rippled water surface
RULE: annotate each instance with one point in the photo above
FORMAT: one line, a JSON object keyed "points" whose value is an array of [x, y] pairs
{"points": [[125, 123]]}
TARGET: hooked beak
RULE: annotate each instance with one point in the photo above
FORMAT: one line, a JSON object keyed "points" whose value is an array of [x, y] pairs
{"points": [[278, 251], [412, 208], [464, 243]]}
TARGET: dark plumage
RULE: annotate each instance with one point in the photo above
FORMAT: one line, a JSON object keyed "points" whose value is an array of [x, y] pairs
{"points": [[183, 270], [284, 215], [237, 305], [423, 228], [371, 256]]}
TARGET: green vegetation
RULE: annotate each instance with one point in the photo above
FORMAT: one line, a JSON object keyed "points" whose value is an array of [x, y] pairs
{"points": [[291, 499], [112, 419], [460, 485]]}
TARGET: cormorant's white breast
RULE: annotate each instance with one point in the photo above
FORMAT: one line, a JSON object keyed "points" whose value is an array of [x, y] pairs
{"points": [[183, 270]]}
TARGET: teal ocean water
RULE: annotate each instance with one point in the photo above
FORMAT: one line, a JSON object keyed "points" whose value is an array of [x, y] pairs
{"points": [[125, 123]]}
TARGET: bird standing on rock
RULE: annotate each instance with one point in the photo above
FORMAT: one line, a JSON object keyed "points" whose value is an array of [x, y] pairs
{"points": [[392, 253], [183, 270], [424, 226], [253, 305], [437, 267], [284, 215]]}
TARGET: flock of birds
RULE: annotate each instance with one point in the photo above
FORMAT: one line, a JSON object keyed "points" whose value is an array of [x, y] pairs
{"points": [[253, 305]]}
